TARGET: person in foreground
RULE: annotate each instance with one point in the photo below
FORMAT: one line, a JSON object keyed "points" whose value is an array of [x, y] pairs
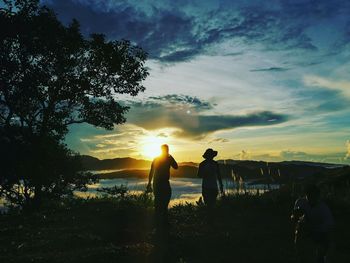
{"points": [[315, 222], [210, 172], [321, 223], [160, 173], [300, 219]]}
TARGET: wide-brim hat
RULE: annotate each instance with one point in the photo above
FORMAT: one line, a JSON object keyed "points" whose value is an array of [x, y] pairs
{"points": [[210, 153]]}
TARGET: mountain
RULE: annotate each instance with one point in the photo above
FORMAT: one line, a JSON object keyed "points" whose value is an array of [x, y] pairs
{"points": [[276, 172], [259, 171], [183, 171], [95, 164]]}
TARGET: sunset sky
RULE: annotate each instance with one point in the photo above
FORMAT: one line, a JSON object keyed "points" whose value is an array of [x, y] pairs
{"points": [[261, 80]]}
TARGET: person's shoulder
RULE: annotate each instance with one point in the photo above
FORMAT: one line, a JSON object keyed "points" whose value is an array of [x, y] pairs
{"points": [[324, 207], [213, 162], [301, 200], [301, 203], [202, 162], [170, 158]]}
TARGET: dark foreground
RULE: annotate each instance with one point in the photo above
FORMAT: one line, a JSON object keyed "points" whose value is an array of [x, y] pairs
{"points": [[240, 229]]}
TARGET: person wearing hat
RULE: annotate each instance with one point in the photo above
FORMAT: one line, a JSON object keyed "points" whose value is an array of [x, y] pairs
{"points": [[210, 172]]}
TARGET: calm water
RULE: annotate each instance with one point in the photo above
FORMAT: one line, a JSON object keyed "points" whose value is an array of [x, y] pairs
{"points": [[183, 189]]}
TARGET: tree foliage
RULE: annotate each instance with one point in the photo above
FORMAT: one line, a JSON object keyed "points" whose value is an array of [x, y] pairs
{"points": [[51, 76], [40, 169]]}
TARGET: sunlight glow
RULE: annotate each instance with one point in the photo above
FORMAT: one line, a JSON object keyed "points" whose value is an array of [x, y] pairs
{"points": [[150, 147]]}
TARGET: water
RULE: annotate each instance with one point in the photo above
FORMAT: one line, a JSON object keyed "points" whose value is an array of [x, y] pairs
{"points": [[183, 189]]}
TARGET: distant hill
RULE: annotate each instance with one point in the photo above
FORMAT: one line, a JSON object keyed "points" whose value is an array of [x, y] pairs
{"points": [[259, 171], [95, 164], [254, 163], [182, 171], [132, 173], [131, 168], [280, 172]]}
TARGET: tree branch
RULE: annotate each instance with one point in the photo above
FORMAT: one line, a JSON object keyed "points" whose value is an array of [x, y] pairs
{"points": [[75, 122]]}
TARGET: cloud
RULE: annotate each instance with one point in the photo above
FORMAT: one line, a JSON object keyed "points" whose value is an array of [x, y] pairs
{"points": [[162, 135], [236, 49], [219, 140], [342, 86], [184, 100], [272, 69], [173, 32], [189, 117], [164, 34], [244, 155], [289, 155], [122, 141], [293, 155]]}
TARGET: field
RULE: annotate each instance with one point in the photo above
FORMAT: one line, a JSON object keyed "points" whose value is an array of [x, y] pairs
{"points": [[241, 228]]}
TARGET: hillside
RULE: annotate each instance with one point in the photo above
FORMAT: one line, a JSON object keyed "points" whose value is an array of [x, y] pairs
{"points": [[259, 171], [182, 171], [95, 164], [244, 228]]}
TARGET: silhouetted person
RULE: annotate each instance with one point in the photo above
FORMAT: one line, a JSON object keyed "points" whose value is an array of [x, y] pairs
{"points": [[300, 219], [321, 222], [314, 226], [160, 173], [210, 172]]}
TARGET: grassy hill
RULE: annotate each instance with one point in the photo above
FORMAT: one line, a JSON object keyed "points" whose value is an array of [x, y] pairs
{"points": [[250, 229]]}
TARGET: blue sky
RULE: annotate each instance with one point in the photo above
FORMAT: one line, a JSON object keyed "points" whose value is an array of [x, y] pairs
{"points": [[253, 79]]}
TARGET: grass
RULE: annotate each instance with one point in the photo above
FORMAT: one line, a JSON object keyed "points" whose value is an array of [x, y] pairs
{"points": [[241, 228]]}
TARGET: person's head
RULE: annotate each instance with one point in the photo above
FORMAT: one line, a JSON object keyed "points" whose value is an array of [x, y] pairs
{"points": [[165, 149], [210, 154], [312, 194]]}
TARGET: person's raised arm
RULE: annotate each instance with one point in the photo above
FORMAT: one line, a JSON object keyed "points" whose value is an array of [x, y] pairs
{"points": [[150, 176], [173, 163], [220, 179]]}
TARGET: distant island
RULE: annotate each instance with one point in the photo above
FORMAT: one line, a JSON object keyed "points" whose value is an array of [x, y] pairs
{"points": [[259, 171]]}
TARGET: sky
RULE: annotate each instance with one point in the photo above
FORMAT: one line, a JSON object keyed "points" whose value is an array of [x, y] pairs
{"points": [[260, 80]]}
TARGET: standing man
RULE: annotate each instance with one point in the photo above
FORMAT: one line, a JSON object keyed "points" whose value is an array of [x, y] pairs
{"points": [[300, 219], [321, 223], [160, 173], [210, 172], [314, 226]]}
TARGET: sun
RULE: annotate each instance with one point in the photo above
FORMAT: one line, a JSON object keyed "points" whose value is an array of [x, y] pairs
{"points": [[150, 146]]}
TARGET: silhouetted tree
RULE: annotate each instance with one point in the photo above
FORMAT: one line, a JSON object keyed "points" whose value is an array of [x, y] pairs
{"points": [[33, 170], [51, 76]]}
